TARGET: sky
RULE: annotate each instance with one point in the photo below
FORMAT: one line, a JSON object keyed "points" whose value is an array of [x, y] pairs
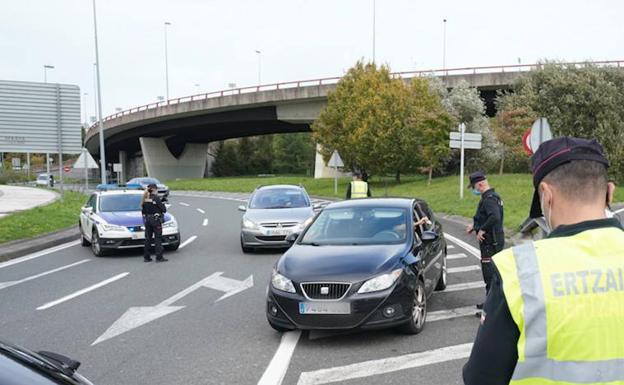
{"points": [[212, 43]]}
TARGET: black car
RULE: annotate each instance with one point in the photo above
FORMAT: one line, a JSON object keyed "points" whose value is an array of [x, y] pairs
{"points": [[19, 366], [163, 189], [361, 264]]}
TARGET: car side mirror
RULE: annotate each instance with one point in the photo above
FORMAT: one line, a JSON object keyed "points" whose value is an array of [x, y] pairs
{"points": [[87, 210], [292, 238], [429, 235], [316, 207], [242, 208]]}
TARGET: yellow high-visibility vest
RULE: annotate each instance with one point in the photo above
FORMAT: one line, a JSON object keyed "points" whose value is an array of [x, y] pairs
{"points": [[566, 295], [359, 189]]}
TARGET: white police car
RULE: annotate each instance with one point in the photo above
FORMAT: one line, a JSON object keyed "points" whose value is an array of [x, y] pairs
{"points": [[112, 219]]}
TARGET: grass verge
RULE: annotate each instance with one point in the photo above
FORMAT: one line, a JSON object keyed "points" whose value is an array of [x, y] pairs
{"points": [[42, 220]]}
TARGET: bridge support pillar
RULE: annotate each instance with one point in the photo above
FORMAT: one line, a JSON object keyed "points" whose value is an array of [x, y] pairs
{"points": [[123, 159], [321, 170], [161, 164]]}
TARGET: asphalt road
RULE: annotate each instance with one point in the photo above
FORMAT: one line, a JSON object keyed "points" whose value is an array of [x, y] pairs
{"points": [[130, 322]]}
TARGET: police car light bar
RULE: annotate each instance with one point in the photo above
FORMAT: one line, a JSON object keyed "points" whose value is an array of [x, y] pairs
{"points": [[115, 186]]}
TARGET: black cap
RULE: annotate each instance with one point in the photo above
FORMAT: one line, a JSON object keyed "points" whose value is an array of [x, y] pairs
{"points": [[152, 185], [475, 178], [555, 152]]}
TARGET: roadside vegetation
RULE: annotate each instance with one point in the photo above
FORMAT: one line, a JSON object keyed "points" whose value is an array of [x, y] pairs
{"points": [[42, 220], [443, 193]]}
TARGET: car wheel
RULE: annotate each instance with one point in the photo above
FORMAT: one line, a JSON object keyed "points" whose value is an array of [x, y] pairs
{"points": [[245, 249], [172, 246], [95, 244], [83, 240], [443, 276], [419, 311]]}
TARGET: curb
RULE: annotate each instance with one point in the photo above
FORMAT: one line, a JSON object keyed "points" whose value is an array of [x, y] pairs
{"points": [[19, 248]]}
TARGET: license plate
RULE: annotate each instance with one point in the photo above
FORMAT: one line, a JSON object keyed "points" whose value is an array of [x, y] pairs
{"points": [[138, 235], [324, 308], [278, 232]]}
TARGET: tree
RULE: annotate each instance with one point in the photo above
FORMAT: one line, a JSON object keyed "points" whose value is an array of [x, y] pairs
{"points": [[583, 101], [293, 153], [509, 125], [226, 161], [375, 121]]}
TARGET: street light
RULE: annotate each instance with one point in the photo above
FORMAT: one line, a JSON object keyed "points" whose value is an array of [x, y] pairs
{"points": [[85, 107], [259, 66], [444, 46], [99, 98], [196, 87], [46, 67], [166, 62], [374, 14], [232, 85]]}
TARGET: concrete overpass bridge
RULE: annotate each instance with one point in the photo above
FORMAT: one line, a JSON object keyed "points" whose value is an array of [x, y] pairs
{"points": [[171, 138]]}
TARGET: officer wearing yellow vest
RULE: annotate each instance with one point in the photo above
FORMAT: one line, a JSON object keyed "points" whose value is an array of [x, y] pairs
{"points": [[555, 312], [358, 188]]}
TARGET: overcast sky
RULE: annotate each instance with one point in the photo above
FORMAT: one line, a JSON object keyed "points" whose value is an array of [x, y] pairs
{"points": [[213, 42]]}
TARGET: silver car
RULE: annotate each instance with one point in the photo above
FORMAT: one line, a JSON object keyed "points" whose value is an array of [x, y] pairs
{"points": [[272, 214]]}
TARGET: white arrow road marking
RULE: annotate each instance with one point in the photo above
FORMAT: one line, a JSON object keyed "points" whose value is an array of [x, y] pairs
{"points": [[141, 315], [201, 211], [83, 291], [462, 269], [456, 256], [205, 223], [275, 372], [451, 313], [4, 285], [471, 249], [184, 204], [185, 243], [464, 286], [38, 254], [385, 365]]}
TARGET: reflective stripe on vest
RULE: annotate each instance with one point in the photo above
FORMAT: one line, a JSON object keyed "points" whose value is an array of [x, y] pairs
{"points": [[534, 365], [359, 189]]}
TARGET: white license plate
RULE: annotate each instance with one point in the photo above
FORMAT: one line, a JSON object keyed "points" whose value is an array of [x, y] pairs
{"points": [[138, 235], [278, 232], [324, 308]]}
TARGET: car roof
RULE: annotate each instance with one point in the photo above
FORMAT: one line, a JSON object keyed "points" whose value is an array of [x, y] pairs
{"points": [[280, 186], [405, 203], [120, 192]]}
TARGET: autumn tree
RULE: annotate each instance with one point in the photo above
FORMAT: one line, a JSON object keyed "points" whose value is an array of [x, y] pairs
{"points": [[509, 125]]}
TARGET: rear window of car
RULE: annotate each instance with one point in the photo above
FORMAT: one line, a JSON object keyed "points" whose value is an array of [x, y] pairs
{"points": [[279, 198], [120, 202]]}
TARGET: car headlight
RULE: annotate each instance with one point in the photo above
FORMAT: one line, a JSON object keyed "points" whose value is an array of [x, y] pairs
{"points": [[170, 224], [109, 227], [380, 282], [305, 223], [282, 283], [249, 224]]}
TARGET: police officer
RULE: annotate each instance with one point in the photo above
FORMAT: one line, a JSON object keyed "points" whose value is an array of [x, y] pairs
{"points": [[358, 188], [153, 215], [555, 310], [487, 224]]}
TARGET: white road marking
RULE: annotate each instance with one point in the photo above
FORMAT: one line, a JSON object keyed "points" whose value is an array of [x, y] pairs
{"points": [[385, 365], [275, 372], [141, 315], [450, 247], [185, 243], [83, 291], [456, 256], [201, 211], [451, 313], [205, 223], [38, 254], [4, 285], [464, 286], [184, 204], [463, 269], [471, 249]]}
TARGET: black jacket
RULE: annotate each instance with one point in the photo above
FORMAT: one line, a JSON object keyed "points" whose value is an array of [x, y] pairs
{"points": [[489, 218], [153, 205]]}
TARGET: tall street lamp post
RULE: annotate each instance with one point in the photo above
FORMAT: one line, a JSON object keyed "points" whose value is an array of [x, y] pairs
{"points": [[46, 67], [166, 62], [259, 66], [99, 98]]}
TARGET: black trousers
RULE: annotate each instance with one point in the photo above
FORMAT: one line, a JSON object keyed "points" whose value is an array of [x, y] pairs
{"points": [[153, 230], [487, 268]]}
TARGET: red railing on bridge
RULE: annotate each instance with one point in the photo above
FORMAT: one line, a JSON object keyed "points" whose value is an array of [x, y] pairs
{"points": [[333, 80]]}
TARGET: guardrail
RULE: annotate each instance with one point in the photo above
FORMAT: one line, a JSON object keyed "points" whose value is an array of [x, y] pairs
{"points": [[334, 80]]}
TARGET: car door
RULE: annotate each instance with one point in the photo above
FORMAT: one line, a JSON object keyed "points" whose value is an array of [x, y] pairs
{"points": [[87, 220], [438, 244], [426, 251]]}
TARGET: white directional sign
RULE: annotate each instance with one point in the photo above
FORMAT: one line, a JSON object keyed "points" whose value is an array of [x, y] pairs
{"points": [[141, 315], [464, 140], [468, 136], [467, 145]]}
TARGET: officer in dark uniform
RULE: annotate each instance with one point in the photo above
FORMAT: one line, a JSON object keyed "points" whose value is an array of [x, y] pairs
{"points": [[153, 215], [487, 224]]}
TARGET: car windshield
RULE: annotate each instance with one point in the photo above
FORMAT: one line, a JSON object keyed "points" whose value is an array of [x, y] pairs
{"points": [[120, 202], [144, 181], [358, 226], [42, 177], [279, 198]]}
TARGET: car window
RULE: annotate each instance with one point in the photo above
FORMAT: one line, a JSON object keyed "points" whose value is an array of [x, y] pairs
{"points": [[279, 198], [42, 177], [359, 226], [91, 202], [120, 202], [13, 372]]}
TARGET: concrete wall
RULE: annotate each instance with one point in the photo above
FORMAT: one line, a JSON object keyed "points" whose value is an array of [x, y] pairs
{"points": [[161, 164]]}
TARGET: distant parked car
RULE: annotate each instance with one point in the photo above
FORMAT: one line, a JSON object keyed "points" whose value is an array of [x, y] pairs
{"points": [[43, 180], [163, 190], [272, 214], [19, 366]]}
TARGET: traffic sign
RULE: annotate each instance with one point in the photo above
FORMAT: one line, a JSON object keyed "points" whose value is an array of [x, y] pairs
{"points": [[464, 140], [85, 160], [525, 142], [469, 137], [335, 160], [66, 169], [540, 132], [467, 145]]}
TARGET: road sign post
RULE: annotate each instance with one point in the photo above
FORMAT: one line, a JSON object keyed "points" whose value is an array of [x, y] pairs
{"points": [[463, 140], [336, 162]]}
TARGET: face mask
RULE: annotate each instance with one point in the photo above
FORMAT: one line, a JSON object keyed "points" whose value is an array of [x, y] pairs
{"points": [[476, 192], [546, 217]]}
